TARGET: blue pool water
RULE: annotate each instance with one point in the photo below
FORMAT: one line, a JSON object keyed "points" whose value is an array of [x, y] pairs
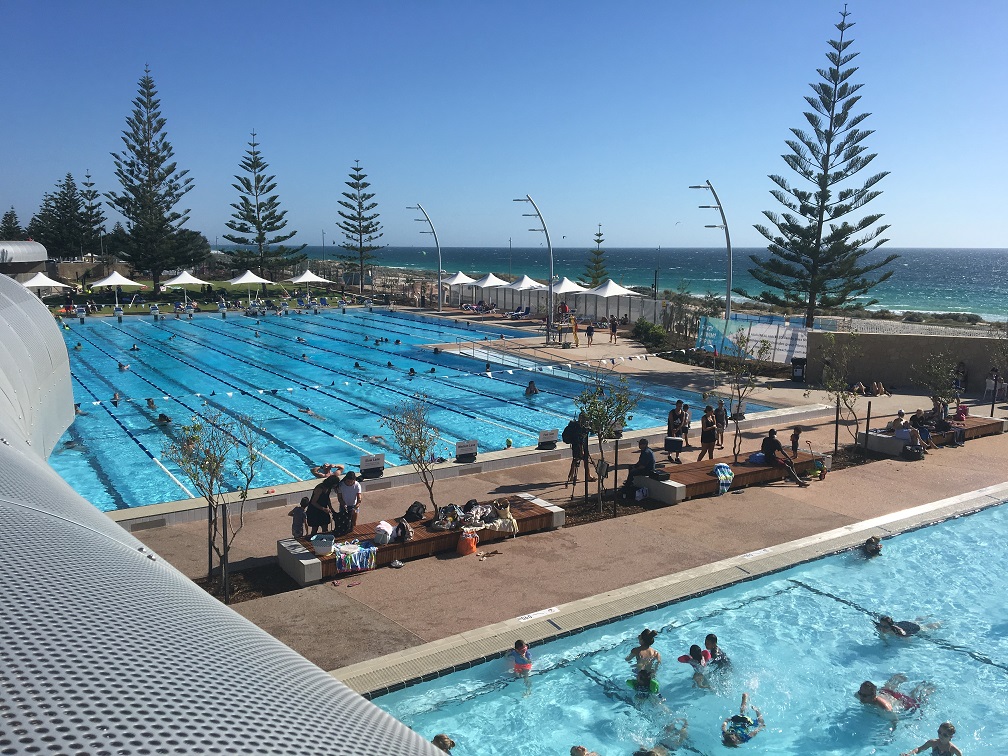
{"points": [[801, 641], [107, 454]]}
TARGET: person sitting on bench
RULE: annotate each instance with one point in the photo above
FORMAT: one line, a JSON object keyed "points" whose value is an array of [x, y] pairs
{"points": [[645, 463], [774, 454]]}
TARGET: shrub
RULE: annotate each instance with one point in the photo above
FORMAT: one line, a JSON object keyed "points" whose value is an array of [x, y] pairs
{"points": [[652, 336]]}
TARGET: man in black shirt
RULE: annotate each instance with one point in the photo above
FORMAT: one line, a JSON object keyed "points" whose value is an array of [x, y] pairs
{"points": [[774, 454], [645, 463]]}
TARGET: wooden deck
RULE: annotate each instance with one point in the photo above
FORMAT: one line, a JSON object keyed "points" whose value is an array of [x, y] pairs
{"points": [[532, 516]]}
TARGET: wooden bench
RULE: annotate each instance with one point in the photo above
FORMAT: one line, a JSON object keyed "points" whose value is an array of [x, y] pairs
{"points": [[692, 479], [298, 560], [975, 427]]}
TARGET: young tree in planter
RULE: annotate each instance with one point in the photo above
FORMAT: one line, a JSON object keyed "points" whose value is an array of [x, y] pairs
{"points": [[258, 221], [210, 451], [595, 269], [817, 257], [936, 375], [742, 381], [152, 186], [417, 438], [608, 402], [360, 225], [838, 355]]}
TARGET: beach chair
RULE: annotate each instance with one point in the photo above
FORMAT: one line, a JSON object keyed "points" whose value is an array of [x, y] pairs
{"points": [[324, 301], [517, 312], [521, 314], [300, 302]]}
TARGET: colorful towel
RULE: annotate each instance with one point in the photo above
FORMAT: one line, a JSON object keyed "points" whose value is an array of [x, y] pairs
{"points": [[357, 560], [725, 477]]}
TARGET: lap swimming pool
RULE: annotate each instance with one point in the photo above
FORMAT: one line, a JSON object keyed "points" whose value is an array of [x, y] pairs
{"points": [[271, 369], [800, 642]]}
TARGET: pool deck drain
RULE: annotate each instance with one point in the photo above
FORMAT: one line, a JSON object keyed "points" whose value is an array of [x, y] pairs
{"points": [[395, 671]]}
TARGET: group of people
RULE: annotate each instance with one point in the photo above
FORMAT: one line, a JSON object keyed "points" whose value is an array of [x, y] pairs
{"points": [[318, 514], [917, 429]]}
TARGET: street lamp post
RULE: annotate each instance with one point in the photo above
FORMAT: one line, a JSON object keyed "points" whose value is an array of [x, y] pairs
{"points": [[440, 295], [549, 290], [724, 225]]}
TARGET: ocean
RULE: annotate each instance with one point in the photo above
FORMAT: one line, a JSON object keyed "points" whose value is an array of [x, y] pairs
{"points": [[923, 280]]}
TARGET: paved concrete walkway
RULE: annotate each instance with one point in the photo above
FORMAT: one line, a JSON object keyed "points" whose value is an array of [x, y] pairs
{"points": [[429, 599]]}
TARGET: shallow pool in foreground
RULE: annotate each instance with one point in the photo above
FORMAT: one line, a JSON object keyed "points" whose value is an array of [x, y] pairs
{"points": [[801, 641]]}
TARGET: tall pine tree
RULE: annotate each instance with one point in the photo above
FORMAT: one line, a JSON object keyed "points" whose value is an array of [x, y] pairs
{"points": [[152, 185], [360, 225], [818, 259], [57, 224], [92, 217], [595, 270], [258, 221], [10, 227]]}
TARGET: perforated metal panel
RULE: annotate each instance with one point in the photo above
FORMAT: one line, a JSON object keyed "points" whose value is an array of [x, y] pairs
{"points": [[105, 649]]}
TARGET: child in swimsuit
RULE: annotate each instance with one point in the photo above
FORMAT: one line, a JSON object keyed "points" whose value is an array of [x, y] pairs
{"points": [[646, 660], [698, 659], [741, 728], [942, 746], [521, 657]]}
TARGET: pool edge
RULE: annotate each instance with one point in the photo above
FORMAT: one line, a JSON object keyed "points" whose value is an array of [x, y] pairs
{"points": [[386, 674]]}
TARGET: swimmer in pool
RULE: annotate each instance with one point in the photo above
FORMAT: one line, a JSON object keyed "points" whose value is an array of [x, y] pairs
{"points": [[163, 419], [78, 347], [123, 367], [646, 661], [150, 404], [134, 348], [719, 659], [942, 746], [902, 629], [672, 739], [741, 728], [698, 659], [890, 699], [872, 547], [521, 658], [301, 340]]}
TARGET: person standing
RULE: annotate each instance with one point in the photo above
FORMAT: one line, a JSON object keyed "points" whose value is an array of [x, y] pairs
{"points": [[590, 333], [320, 505], [350, 496], [720, 422], [580, 454], [612, 329], [708, 433]]}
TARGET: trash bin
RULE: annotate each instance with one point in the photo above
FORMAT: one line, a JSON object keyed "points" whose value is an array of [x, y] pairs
{"points": [[798, 369]]}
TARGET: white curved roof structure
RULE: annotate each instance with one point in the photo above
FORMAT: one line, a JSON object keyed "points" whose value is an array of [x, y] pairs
{"points": [[105, 648], [22, 252]]}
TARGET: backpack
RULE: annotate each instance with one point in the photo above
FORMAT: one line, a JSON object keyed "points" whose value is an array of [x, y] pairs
{"points": [[403, 532], [383, 533], [570, 433], [416, 512], [913, 453]]}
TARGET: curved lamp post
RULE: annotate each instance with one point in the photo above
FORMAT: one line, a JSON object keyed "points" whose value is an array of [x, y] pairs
{"points": [[724, 225], [549, 291], [440, 294]]}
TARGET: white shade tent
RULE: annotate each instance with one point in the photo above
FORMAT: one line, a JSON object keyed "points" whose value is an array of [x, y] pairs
{"points": [[459, 279], [117, 279], [612, 289], [524, 284], [308, 278], [41, 281], [566, 286], [183, 279], [489, 281], [249, 278]]}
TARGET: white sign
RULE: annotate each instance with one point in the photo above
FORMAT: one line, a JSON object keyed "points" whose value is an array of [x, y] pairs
{"points": [[549, 436], [371, 461], [466, 448], [539, 614]]}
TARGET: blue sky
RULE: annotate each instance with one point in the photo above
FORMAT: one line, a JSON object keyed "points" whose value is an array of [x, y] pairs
{"points": [[603, 113]]}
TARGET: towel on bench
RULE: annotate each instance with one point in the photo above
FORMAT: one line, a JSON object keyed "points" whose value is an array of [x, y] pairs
{"points": [[725, 477]]}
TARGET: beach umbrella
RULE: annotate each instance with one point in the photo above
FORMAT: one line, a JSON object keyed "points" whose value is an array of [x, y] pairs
{"points": [[308, 278], [612, 289], [249, 278], [459, 279], [41, 281], [183, 279], [116, 280], [489, 281]]}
